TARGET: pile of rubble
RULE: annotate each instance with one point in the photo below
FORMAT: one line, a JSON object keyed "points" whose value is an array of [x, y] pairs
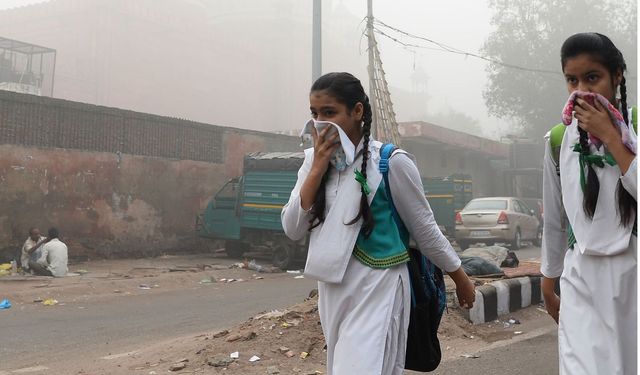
{"points": [[275, 342]]}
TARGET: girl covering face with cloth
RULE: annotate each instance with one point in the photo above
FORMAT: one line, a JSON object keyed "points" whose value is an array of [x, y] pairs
{"points": [[355, 248], [589, 197]]}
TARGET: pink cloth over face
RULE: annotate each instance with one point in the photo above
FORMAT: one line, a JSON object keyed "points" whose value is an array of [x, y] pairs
{"points": [[614, 114]]}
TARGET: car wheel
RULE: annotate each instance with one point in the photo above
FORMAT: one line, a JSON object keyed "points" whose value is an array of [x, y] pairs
{"points": [[283, 255], [516, 243], [464, 245], [235, 249], [538, 240]]}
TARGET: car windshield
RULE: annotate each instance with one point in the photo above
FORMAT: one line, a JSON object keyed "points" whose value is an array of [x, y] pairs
{"points": [[497, 204]]}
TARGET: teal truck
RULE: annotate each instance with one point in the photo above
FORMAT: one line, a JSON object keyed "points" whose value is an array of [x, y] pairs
{"points": [[245, 212], [447, 196]]}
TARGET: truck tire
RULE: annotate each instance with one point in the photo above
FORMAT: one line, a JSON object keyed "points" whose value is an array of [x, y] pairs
{"points": [[283, 255], [235, 249]]}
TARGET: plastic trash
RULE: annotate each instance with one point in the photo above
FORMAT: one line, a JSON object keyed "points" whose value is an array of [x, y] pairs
{"points": [[50, 302], [5, 304], [255, 266], [270, 315], [473, 356], [254, 358], [235, 355], [260, 268]]}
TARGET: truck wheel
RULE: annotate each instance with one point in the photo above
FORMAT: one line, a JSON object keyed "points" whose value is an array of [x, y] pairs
{"points": [[235, 249], [283, 256]]}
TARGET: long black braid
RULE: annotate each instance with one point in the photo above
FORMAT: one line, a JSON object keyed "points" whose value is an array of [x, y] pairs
{"points": [[623, 99], [626, 202], [365, 210], [320, 202], [592, 189], [347, 90], [602, 49]]}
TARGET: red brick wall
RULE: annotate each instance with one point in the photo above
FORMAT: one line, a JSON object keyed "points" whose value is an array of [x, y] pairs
{"points": [[116, 183]]}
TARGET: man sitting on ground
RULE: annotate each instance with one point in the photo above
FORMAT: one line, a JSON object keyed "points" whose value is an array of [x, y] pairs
{"points": [[53, 258], [30, 247]]}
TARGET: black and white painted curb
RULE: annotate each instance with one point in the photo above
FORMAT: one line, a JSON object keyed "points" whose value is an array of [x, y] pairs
{"points": [[502, 297]]}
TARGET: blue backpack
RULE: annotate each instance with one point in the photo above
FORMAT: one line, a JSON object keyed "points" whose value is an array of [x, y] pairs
{"points": [[428, 293]]}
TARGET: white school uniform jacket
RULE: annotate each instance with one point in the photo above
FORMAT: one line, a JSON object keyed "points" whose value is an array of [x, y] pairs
{"points": [[598, 312], [332, 242], [364, 310]]}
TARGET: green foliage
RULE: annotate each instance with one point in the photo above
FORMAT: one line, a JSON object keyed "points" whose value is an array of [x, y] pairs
{"points": [[529, 33], [455, 120]]}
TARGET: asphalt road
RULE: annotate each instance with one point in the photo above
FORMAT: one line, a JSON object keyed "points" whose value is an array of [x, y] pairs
{"points": [[528, 252], [537, 355], [31, 336]]}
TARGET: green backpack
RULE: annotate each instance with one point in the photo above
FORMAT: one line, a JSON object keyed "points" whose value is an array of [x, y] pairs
{"points": [[555, 140]]}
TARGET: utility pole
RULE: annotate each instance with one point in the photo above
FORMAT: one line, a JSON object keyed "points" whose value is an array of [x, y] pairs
{"points": [[316, 53]]}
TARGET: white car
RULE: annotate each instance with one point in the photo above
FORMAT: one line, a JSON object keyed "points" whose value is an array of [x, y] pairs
{"points": [[497, 219]]}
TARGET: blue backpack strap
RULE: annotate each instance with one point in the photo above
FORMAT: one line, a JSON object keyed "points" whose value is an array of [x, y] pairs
{"points": [[385, 153], [428, 271]]}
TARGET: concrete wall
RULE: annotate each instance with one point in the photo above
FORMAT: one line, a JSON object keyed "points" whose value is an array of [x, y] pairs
{"points": [[116, 183]]}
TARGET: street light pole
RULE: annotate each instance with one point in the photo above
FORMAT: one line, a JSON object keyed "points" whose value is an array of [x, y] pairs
{"points": [[316, 57]]}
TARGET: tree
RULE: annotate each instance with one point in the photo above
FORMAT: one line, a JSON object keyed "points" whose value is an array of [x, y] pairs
{"points": [[455, 120], [529, 33]]}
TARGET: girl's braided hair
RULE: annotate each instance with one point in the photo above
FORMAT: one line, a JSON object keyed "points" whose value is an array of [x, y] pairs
{"points": [[602, 49], [347, 90]]}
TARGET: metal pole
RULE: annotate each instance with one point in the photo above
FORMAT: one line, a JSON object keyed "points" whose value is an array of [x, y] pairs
{"points": [[316, 57], [53, 74]]}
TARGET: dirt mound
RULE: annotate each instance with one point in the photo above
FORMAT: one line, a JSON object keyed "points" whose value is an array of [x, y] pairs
{"points": [[286, 341]]}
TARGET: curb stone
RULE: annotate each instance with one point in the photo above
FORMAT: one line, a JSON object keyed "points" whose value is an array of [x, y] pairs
{"points": [[502, 297]]}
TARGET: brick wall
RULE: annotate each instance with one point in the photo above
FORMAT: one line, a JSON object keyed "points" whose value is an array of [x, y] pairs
{"points": [[39, 121], [115, 182]]}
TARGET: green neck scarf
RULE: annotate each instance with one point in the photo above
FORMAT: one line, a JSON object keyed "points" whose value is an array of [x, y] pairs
{"points": [[587, 159]]}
